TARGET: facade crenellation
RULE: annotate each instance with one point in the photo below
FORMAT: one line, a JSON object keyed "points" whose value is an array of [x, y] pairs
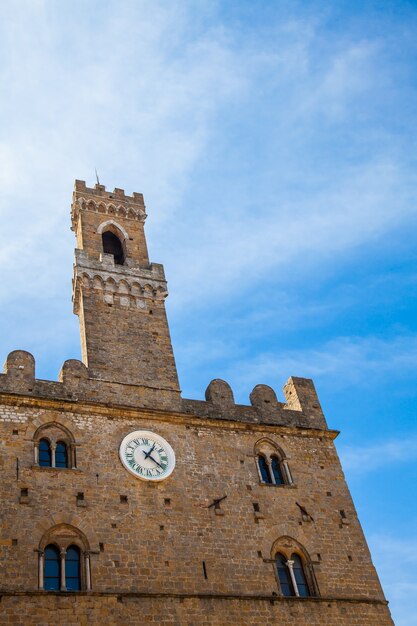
{"points": [[123, 502]]}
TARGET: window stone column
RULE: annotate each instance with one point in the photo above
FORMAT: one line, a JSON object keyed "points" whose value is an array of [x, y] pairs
{"points": [[87, 571], [36, 453], [72, 460], [290, 565], [271, 471], [62, 554], [53, 447], [40, 568], [287, 471]]}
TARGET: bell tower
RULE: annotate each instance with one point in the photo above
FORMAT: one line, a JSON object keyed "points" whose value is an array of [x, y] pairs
{"points": [[118, 295]]}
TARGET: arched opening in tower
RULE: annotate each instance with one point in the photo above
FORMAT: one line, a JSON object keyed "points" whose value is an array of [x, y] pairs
{"points": [[113, 245]]}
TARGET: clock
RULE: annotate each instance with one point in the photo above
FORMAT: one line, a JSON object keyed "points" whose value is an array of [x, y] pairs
{"points": [[147, 455]]}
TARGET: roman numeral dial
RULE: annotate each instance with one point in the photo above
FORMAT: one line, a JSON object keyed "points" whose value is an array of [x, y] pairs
{"points": [[147, 456]]}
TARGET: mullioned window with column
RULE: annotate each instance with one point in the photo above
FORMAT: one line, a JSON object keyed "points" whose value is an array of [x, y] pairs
{"points": [[54, 446], [294, 569], [64, 560], [272, 464]]}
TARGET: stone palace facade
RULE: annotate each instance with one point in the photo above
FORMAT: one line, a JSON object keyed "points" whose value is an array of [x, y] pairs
{"points": [[124, 503]]}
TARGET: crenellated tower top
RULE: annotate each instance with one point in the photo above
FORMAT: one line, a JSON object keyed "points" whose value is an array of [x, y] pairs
{"points": [[97, 200], [118, 294]]}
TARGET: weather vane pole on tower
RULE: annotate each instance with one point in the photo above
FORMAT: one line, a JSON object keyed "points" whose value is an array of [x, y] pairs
{"points": [[98, 182]]}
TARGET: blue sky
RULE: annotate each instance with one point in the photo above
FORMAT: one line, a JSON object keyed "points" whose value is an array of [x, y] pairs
{"points": [[275, 144]]}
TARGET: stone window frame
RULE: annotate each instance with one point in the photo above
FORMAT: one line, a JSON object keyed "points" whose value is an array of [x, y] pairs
{"points": [[267, 448], [62, 536], [113, 227], [64, 436], [287, 546]]}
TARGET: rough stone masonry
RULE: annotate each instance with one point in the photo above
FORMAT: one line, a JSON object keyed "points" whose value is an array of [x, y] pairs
{"points": [[255, 525]]}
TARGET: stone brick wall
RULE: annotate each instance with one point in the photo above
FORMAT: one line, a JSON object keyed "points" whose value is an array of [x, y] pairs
{"points": [[112, 610], [156, 542]]}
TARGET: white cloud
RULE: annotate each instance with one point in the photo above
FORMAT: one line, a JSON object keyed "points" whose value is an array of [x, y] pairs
{"points": [[127, 92]]}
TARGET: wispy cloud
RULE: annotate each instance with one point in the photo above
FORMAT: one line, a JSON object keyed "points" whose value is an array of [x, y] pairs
{"points": [[396, 562], [362, 459], [141, 100], [136, 102], [341, 362]]}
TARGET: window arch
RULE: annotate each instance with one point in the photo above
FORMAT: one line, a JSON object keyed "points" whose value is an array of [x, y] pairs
{"points": [[294, 570], [54, 446], [284, 578], [45, 453], [113, 245], [73, 568], [52, 569], [64, 560], [277, 470], [299, 575], [272, 464], [264, 470], [61, 454]]}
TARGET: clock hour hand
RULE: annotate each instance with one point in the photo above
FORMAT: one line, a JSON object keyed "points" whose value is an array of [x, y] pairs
{"points": [[147, 454]]}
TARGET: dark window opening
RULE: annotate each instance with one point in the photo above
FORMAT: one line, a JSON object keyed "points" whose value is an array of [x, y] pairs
{"points": [[72, 569], [61, 455], [284, 577], [299, 576], [276, 469], [264, 469], [45, 456], [113, 245], [52, 569]]}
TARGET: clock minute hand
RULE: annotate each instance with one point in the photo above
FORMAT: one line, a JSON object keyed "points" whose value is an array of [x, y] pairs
{"points": [[154, 460]]}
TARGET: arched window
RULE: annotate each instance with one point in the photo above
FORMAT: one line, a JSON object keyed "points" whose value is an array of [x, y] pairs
{"points": [[64, 560], [264, 469], [54, 446], [45, 456], [272, 464], [73, 569], [112, 245], [61, 454], [52, 569], [276, 470], [299, 576], [284, 577], [294, 569]]}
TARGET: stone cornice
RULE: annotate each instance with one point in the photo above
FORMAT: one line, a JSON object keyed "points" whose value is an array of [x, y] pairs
{"points": [[198, 596], [119, 411], [130, 285]]}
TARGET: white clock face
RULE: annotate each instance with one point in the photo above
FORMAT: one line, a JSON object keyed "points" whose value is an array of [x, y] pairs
{"points": [[147, 455]]}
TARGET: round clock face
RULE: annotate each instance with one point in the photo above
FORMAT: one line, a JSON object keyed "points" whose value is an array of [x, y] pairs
{"points": [[147, 455]]}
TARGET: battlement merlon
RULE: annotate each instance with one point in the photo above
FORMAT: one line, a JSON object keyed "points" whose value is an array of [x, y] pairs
{"points": [[98, 200], [301, 410]]}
